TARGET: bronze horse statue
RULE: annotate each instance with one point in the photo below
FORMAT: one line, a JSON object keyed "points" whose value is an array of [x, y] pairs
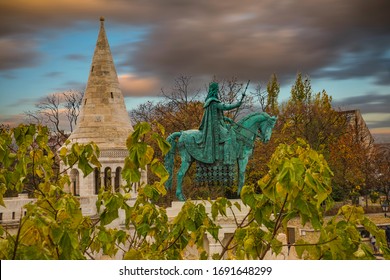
{"points": [[246, 130]]}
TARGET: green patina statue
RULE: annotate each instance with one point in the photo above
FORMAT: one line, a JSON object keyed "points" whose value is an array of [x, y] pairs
{"points": [[217, 147], [215, 131]]}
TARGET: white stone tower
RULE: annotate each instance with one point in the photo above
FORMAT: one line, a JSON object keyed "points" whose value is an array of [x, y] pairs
{"points": [[103, 120], [103, 117]]}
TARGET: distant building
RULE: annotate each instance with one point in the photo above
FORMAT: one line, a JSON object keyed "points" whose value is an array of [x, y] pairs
{"points": [[103, 120], [358, 127]]}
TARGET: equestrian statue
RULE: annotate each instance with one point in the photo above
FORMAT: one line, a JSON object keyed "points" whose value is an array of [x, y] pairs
{"points": [[220, 146]]}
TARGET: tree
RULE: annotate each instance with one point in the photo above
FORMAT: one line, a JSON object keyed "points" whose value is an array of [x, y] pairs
{"points": [[352, 157], [53, 227], [273, 89], [297, 185], [178, 110], [72, 105], [261, 96], [306, 115], [143, 113], [301, 90], [311, 118], [54, 108], [381, 178]]}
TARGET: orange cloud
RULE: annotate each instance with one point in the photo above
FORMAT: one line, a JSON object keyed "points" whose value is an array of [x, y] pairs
{"points": [[12, 120], [137, 86], [380, 130]]}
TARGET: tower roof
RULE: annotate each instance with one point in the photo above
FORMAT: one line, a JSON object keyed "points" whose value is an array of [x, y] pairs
{"points": [[103, 117]]}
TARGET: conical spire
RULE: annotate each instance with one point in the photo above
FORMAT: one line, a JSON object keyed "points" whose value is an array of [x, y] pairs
{"points": [[103, 117]]}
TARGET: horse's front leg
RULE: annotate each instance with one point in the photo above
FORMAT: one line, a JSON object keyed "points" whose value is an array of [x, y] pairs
{"points": [[185, 165], [242, 163]]}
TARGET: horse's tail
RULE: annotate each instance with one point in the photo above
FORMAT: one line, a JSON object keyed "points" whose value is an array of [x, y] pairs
{"points": [[170, 157]]}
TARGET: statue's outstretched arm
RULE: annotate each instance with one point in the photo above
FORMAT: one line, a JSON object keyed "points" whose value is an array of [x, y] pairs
{"points": [[226, 107]]}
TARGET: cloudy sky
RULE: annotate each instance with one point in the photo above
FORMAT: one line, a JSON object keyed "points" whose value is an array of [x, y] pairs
{"points": [[344, 46]]}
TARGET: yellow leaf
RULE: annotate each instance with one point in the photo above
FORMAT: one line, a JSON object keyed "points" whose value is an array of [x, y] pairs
{"points": [[279, 188]]}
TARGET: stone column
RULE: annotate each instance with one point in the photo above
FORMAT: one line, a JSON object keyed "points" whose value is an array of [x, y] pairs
{"points": [[102, 177], [214, 246], [113, 175]]}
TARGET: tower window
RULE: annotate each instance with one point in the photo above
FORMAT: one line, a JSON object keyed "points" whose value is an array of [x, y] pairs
{"points": [[85, 101], [74, 177], [98, 181], [92, 68], [112, 95]]}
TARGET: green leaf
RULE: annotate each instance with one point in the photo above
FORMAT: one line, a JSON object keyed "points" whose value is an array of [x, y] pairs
{"points": [[276, 246], [104, 236], [238, 205], [84, 166], [143, 229], [159, 169], [214, 211], [130, 172], [247, 196], [140, 129], [151, 192], [108, 216], [300, 247], [133, 254], [162, 143], [67, 243]]}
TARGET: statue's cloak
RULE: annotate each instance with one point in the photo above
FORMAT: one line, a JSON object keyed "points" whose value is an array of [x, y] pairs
{"points": [[204, 145]]}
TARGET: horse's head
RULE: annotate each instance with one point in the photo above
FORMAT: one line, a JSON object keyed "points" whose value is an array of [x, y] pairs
{"points": [[257, 124], [266, 126]]}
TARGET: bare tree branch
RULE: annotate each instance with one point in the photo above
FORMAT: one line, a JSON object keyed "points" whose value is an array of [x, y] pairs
{"points": [[72, 105]]}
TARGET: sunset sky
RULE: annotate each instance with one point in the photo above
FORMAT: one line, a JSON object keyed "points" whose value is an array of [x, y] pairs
{"points": [[344, 46]]}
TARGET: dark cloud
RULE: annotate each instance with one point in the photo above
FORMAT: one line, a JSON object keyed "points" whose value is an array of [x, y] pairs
{"points": [[18, 53], [253, 40], [379, 123], [361, 65], [230, 37], [369, 103], [248, 39], [371, 106]]}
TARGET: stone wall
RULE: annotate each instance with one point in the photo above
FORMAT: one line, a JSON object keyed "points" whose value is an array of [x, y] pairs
{"points": [[14, 210]]}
